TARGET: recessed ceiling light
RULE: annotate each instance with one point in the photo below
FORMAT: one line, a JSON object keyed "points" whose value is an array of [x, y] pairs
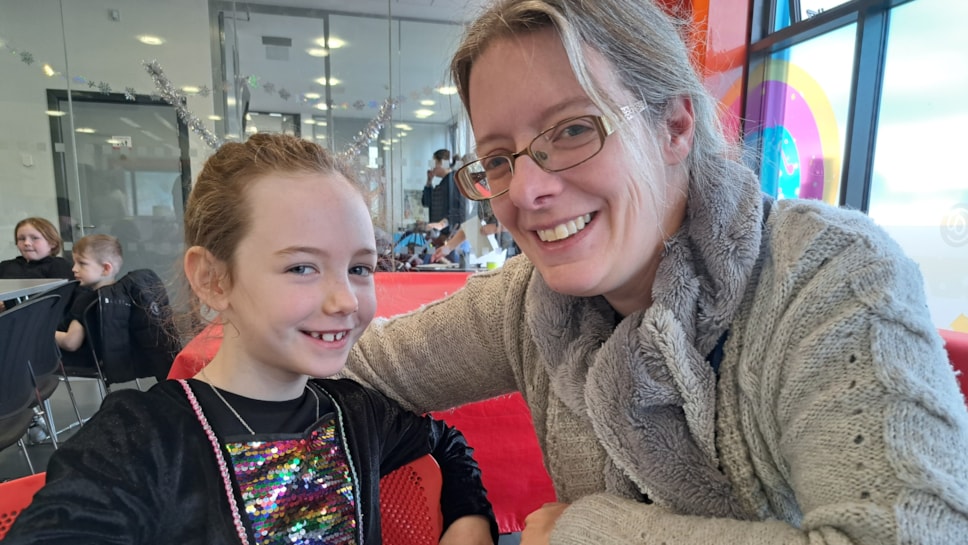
{"points": [[48, 71], [334, 42], [403, 127], [215, 117], [332, 81], [321, 106], [112, 141], [427, 102], [320, 136], [447, 90], [230, 101], [317, 52], [191, 89], [148, 39], [312, 96], [84, 130], [55, 113], [421, 114], [310, 121]]}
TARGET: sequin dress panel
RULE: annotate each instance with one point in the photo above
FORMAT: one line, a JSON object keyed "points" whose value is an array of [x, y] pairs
{"points": [[297, 491]]}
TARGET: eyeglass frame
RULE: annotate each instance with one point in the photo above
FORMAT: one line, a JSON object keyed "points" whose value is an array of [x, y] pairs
{"points": [[603, 127]]}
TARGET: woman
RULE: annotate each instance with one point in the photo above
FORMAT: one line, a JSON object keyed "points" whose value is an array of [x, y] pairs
{"points": [[702, 365]]}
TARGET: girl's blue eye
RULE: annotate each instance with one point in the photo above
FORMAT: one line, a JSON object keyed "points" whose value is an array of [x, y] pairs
{"points": [[361, 270], [302, 269]]}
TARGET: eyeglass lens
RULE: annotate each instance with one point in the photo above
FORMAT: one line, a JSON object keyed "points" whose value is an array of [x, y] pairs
{"points": [[561, 147]]}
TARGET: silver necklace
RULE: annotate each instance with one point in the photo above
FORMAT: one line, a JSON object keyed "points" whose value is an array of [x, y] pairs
{"points": [[237, 415]]}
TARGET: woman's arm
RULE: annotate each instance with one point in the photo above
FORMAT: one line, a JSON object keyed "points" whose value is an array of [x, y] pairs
{"points": [[454, 351]]}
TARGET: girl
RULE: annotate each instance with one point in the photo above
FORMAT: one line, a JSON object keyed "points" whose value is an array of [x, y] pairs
{"points": [[39, 246], [281, 247]]}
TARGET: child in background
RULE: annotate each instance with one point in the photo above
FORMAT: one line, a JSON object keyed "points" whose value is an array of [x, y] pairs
{"points": [[40, 246], [97, 261], [281, 247]]}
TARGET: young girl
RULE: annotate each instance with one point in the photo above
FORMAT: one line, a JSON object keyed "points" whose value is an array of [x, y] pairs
{"points": [[281, 247], [39, 246]]}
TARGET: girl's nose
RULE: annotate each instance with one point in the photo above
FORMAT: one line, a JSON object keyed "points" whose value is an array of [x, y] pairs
{"points": [[340, 298]]}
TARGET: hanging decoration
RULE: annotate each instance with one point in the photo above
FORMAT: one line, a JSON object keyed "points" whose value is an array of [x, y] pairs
{"points": [[371, 131], [178, 100], [252, 81]]}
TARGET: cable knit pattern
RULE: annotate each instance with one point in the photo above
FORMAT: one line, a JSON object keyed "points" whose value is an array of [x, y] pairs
{"points": [[835, 419]]}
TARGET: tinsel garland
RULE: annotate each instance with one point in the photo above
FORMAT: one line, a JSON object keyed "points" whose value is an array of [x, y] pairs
{"points": [[177, 99], [170, 94], [371, 131]]}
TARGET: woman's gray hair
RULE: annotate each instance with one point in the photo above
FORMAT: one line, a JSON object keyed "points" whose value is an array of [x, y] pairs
{"points": [[643, 44]]}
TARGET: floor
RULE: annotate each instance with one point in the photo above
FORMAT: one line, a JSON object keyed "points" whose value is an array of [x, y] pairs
{"points": [[13, 464]]}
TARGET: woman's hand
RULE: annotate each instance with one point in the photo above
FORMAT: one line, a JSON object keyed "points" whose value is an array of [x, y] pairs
{"points": [[469, 530], [539, 524]]}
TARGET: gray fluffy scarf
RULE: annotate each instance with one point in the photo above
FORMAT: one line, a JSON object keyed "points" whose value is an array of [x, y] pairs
{"points": [[645, 383]]}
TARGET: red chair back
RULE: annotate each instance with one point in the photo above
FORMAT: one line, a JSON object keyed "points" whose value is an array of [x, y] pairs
{"points": [[956, 343], [16, 495], [410, 504]]}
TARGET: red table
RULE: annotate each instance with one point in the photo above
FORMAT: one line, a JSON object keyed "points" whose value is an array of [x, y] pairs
{"points": [[499, 429]]}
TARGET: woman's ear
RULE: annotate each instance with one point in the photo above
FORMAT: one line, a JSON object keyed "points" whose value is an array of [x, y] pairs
{"points": [[680, 124], [208, 278]]}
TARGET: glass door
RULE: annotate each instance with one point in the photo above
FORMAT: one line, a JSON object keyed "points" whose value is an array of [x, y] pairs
{"points": [[121, 168]]}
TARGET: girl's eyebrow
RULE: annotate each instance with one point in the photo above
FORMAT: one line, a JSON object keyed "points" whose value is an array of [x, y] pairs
{"points": [[319, 251]]}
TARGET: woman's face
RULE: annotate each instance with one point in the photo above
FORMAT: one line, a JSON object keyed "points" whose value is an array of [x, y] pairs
{"points": [[522, 85], [31, 243]]}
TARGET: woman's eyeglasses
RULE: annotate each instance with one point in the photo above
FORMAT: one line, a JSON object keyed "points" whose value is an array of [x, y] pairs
{"points": [[567, 144]]}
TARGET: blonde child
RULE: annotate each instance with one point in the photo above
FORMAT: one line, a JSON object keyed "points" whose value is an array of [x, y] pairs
{"points": [[281, 247], [39, 245], [97, 261]]}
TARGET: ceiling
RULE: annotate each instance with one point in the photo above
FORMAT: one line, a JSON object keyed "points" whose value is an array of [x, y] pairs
{"points": [[404, 58]]}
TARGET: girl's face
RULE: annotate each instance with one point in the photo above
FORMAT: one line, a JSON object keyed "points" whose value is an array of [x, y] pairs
{"points": [[596, 228], [302, 288], [32, 245]]}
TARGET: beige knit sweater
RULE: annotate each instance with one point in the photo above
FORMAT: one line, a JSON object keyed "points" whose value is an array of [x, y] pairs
{"points": [[835, 417]]}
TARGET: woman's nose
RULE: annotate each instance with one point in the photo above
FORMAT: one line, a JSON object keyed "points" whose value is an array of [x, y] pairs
{"points": [[531, 186]]}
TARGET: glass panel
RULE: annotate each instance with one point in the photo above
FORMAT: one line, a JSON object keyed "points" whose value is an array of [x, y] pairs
{"points": [[797, 104], [812, 8], [807, 8], [919, 192]]}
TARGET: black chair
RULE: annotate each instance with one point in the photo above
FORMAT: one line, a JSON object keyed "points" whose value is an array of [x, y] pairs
{"points": [[19, 327], [46, 365]]}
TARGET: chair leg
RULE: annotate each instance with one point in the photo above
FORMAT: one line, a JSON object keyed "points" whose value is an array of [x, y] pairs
{"points": [[23, 448], [51, 427], [70, 392]]}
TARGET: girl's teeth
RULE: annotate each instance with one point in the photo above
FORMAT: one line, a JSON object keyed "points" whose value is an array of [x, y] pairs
{"points": [[328, 337]]}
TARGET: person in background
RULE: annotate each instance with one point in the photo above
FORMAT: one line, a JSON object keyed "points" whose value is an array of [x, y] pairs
{"points": [[702, 364], [252, 450], [97, 263], [40, 247]]}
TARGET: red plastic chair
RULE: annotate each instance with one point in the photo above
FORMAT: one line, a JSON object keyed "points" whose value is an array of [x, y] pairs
{"points": [[410, 504], [16, 495], [956, 343]]}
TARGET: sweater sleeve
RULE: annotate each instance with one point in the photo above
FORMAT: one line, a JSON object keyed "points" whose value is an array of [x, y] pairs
{"points": [[450, 352]]}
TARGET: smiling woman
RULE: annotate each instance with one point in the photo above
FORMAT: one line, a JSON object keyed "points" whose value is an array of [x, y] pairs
{"points": [[697, 367]]}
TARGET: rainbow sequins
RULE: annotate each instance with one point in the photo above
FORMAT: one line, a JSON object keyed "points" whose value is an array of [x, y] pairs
{"points": [[297, 491]]}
